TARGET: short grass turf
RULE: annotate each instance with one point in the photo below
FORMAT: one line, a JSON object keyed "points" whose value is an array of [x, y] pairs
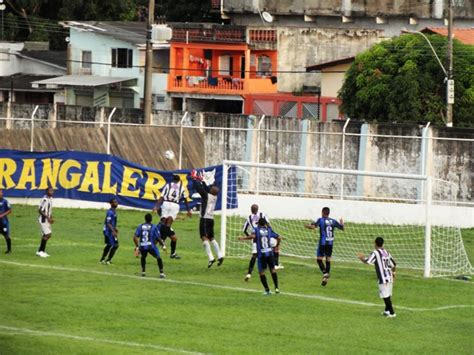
{"points": [[71, 304]]}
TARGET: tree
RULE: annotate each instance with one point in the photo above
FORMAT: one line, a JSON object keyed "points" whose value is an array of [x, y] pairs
{"points": [[400, 80]]}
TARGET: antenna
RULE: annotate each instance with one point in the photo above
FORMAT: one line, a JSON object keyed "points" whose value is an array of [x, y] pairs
{"points": [[266, 16]]}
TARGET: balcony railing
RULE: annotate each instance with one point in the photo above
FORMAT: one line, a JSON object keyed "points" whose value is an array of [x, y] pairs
{"points": [[205, 84], [208, 33]]}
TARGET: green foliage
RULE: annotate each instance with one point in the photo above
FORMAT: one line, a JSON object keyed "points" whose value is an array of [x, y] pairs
{"points": [[71, 294], [400, 80]]}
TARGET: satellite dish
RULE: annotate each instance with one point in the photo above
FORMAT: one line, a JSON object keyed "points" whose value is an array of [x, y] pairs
{"points": [[267, 17]]}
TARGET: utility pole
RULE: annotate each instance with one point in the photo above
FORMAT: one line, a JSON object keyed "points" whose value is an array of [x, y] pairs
{"points": [[450, 80], [149, 61]]}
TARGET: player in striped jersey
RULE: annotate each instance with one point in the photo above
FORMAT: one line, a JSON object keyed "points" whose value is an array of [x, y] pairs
{"points": [[168, 204], [5, 210], [145, 238], [385, 270], [265, 239], [45, 220], [206, 223]]}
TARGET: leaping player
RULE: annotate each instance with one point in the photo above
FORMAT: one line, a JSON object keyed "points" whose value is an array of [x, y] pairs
{"points": [[168, 203], [326, 227]]}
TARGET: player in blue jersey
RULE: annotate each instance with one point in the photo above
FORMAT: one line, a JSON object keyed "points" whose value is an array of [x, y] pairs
{"points": [[265, 239], [110, 233], [145, 239], [326, 227], [5, 210]]}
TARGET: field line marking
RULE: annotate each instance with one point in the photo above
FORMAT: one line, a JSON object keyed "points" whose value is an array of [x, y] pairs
{"points": [[23, 331], [233, 288]]}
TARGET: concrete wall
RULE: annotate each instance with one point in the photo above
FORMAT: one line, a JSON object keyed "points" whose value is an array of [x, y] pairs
{"points": [[210, 138], [299, 48], [332, 79]]}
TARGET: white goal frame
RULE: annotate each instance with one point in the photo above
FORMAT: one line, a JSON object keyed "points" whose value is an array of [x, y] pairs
{"points": [[426, 199]]}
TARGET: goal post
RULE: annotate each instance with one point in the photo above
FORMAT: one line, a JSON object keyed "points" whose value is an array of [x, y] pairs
{"points": [[397, 206]]}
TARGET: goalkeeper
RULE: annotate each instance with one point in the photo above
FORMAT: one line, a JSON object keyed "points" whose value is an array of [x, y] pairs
{"points": [[145, 239], [326, 227]]}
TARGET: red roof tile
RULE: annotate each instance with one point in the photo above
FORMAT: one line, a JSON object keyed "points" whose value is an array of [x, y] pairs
{"points": [[464, 35]]}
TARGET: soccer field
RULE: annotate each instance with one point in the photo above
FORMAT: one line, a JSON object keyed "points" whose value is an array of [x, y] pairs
{"points": [[71, 304]]}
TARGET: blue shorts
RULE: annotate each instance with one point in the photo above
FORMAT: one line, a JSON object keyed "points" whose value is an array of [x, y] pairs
{"points": [[153, 251], [264, 262], [324, 250], [5, 228], [109, 239]]}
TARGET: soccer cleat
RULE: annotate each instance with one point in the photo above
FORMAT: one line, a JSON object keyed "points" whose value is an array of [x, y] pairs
{"points": [[108, 262], [277, 290], [267, 293], [44, 254], [247, 277], [279, 267], [175, 256], [102, 262], [324, 282], [143, 273], [220, 261], [391, 315], [8, 252], [210, 263], [385, 313], [39, 253], [162, 275]]}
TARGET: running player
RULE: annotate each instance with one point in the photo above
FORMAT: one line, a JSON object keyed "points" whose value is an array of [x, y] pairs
{"points": [[5, 210], [145, 239], [206, 223], [251, 223], [45, 220], [326, 227], [385, 270], [110, 233], [168, 204], [265, 239]]}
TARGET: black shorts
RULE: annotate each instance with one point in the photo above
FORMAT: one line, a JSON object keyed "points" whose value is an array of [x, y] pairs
{"points": [[266, 261], [206, 228], [166, 232], [324, 250]]}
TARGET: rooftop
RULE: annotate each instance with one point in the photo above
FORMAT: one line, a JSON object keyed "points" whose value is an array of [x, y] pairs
{"points": [[58, 58], [464, 35], [21, 82], [329, 64]]}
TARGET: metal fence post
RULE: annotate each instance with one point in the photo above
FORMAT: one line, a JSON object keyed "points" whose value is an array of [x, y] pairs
{"points": [[342, 156], [257, 175], [109, 120], [181, 140], [32, 128]]}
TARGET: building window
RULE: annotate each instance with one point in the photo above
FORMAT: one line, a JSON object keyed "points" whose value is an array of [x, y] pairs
{"points": [[225, 65], [122, 58], [264, 66], [86, 61]]}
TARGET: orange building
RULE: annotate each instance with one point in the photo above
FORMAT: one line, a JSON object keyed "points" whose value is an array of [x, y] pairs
{"points": [[230, 69]]}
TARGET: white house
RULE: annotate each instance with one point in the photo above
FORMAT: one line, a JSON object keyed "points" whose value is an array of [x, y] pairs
{"points": [[106, 66]]}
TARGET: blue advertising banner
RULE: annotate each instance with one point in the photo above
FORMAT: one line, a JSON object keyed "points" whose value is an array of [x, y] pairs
{"points": [[98, 177]]}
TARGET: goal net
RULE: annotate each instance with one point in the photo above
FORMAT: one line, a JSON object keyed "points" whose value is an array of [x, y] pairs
{"points": [[414, 214]]}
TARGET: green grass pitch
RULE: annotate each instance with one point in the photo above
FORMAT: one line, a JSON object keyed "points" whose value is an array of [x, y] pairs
{"points": [[71, 304]]}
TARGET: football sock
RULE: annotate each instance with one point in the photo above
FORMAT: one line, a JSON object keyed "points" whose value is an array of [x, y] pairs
{"points": [[275, 279], [9, 243], [388, 305], [173, 246], [216, 248], [143, 262], [43, 244], [207, 248], [328, 266], [277, 258], [160, 264], [112, 252], [263, 279], [106, 251], [253, 259], [321, 265]]}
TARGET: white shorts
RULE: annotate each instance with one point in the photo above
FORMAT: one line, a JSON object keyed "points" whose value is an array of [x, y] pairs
{"points": [[385, 290], [254, 248], [169, 209], [45, 228]]}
